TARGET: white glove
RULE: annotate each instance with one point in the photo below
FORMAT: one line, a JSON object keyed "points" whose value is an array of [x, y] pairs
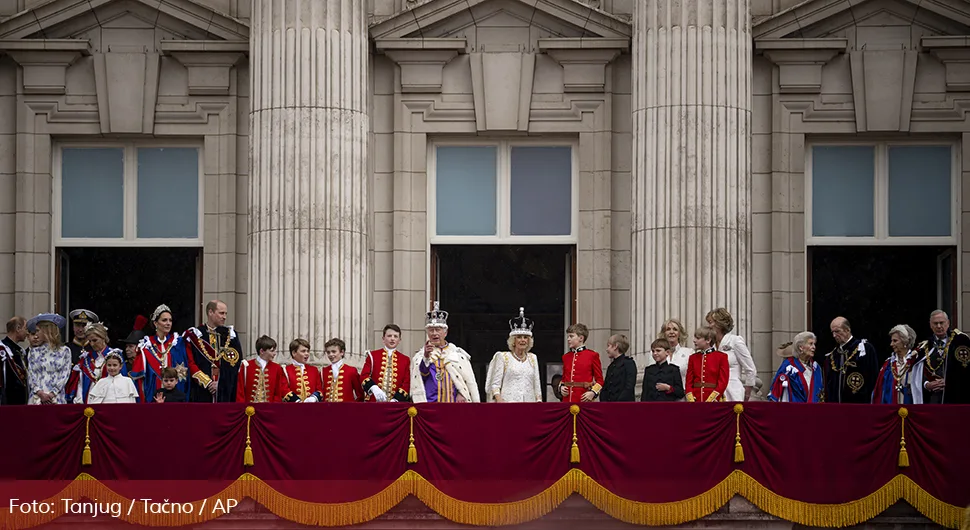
{"points": [[378, 394], [311, 399], [393, 401]]}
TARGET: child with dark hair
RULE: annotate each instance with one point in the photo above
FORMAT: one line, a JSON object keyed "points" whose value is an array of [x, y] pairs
{"points": [[260, 379], [341, 382], [170, 392]]}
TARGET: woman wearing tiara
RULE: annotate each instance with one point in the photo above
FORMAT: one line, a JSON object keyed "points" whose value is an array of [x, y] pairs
{"points": [[158, 351], [91, 364], [513, 376]]}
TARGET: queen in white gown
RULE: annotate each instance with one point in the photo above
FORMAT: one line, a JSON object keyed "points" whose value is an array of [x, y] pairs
{"points": [[513, 376]]}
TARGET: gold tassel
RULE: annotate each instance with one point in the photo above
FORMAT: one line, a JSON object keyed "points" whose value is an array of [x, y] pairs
{"points": [[738, 450], [86, 454], [412, 450], [903, 455], [248, 453], [574, 451]]}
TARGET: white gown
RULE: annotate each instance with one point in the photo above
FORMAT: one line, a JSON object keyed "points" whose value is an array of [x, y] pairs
{"points": [[113, 389], [515, 380], [743, 371]]}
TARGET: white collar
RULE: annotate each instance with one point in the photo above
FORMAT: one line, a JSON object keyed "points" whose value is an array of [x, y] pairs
{"points": [[261, 362], [294, 362], [336, 366], [388, 352]]}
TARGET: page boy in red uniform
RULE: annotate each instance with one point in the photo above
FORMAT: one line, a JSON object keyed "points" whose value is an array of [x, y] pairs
{"points": [[341, 382], [260, 379], [707, 369], [303, 381], [582, 372]]}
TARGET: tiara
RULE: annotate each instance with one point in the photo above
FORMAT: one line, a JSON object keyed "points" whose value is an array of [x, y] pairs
{"points": [[521, 325], [159, 310]]}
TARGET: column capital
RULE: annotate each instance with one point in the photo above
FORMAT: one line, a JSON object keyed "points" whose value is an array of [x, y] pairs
{"points": [[422, 61], [954, 53], [800, 61], [207, 62], [45, 61], [584, 60]]}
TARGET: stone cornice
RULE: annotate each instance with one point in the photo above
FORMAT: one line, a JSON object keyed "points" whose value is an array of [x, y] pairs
{"points": [[800, 61], [207, 62], [954, 53], [422, 61], [584, 60], [45, 62]]}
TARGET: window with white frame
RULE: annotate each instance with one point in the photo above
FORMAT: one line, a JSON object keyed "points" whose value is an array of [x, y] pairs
{"points": [[127, 194], [894, 193], [503, 191]]}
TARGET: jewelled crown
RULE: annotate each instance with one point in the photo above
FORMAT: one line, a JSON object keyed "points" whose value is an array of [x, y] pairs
{"points": [[436, 317], [521, 325]]}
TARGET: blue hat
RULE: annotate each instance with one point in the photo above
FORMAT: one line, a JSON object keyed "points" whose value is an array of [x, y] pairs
{"points": [[58, 321]]}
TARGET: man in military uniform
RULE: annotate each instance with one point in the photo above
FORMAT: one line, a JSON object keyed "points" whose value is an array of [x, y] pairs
{"points": [[214, 354], [851, 368], [13, 364], [944, 369], [80, 318]]}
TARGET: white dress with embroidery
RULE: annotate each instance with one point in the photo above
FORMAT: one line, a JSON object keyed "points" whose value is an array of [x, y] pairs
{"points": [[514, 380]]}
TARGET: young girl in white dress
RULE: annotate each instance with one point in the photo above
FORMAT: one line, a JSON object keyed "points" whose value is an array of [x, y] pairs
{"points": [[513, 376], [113, 388]]}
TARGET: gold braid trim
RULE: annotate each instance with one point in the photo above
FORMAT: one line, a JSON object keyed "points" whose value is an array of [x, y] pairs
{"points": [[517, 512]]}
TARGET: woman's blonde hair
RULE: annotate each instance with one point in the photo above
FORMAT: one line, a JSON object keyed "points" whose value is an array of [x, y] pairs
{"points": [[97, 328], [51, 333], [723, 321], [682, 331], [511, 343]]}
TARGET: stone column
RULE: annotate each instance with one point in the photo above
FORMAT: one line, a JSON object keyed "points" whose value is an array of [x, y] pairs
{"points": [[691, 168], [308, 211]]}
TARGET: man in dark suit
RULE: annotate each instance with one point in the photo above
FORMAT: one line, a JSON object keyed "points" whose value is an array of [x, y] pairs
{"points": [[621, 376]]}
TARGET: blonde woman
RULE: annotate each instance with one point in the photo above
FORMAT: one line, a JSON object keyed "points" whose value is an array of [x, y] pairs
{"points": [[676, 335], [513, 376], [49, 363], [743, 371]]}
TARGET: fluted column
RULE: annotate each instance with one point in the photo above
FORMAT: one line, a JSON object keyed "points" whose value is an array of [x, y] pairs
{"points": [[691, 168], [308, 191]]}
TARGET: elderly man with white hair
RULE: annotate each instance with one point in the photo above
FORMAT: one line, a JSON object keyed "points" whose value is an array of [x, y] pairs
{"points": [[895, 384], [799, 378], [441, 372]]}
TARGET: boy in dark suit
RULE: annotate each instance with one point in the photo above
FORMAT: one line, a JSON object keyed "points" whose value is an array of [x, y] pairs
{"points": [[661, 381]]}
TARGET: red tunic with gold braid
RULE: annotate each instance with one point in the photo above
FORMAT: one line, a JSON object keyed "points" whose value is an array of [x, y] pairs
{"points": [[303, 381], [344, 387], [391, 373], [260, 385], [581, 372], [707, 376]]}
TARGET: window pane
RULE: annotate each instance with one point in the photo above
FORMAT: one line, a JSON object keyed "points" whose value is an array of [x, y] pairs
{"points": [[919, 190], [842, 191], [92, 193], [466, 188], [168, 192], [542, 191]]}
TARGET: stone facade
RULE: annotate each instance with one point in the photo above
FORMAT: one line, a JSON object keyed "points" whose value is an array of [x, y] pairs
{"points": [[691, 123]]}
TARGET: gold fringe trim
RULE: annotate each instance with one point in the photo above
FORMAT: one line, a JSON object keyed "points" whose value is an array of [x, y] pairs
{"points": [[574, 450], [903, 455], [86, 453], [738, 450], [248, 453], [509, 513], [412, 450]]}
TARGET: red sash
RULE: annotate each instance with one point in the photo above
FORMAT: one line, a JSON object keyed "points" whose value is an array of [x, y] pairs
{"points": [[151, 361], [86, 365]]}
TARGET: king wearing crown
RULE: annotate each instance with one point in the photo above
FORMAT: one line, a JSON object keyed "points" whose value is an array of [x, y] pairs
{"points": [[441, 372]]}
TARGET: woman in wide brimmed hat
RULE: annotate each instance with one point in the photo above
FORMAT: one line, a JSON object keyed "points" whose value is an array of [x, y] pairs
{"points": [[513, 376], [48, 363], [799, 378]]}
